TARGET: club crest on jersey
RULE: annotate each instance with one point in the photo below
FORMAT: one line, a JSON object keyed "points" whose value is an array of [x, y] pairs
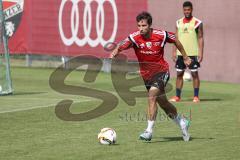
{"points": [[149, 44], [13, 10]]}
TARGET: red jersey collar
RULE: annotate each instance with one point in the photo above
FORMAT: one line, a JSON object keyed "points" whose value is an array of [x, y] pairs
{"points": [[186, 20]]}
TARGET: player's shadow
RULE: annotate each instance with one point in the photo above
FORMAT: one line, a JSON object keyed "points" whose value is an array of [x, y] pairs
{"points": [[169, 139], [206, 100], [26, 93], [210, 99]]}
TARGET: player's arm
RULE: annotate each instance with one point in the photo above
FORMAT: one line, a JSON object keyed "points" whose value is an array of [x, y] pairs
{"points": [[123, 45], [200, 42], [174, 51], [179, 46]]}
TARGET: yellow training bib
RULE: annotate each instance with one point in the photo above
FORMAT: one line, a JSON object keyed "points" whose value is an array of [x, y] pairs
{"points": [[188, 37]]}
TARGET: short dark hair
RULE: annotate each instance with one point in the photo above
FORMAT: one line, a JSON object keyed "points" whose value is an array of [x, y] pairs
{"points": [[144, 15], [187, 4]]}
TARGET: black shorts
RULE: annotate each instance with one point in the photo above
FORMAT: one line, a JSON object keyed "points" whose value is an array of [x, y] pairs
{"points": [[180, 66], [159, 81]]}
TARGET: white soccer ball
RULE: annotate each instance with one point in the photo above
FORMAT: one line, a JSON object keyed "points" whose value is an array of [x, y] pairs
{"points": [[107, 136], [187, 76]]}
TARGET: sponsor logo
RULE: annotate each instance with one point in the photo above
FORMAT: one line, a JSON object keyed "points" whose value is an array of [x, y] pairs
{"points": [[12, 10], [87, 14], [149, 52], [185, 30], [142, 45]]}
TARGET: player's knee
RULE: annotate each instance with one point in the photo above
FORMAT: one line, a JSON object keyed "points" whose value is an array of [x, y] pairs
{"points": [[152, 99]]}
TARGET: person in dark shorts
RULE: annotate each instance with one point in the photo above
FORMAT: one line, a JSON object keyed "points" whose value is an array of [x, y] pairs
{"points": [[148, 44], [189, 31]]}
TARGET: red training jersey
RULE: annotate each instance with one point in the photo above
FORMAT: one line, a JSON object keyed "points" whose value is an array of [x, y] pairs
{"points": [[149, 51]]}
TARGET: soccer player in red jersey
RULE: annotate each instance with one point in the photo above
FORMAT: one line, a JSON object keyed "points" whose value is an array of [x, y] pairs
{"points": [[148, 44]]}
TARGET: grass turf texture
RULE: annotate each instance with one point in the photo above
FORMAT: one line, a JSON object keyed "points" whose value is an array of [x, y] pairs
{"points": [[30, 130]]}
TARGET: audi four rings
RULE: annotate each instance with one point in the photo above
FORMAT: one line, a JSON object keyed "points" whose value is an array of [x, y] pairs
{"points": [[87, 23]]}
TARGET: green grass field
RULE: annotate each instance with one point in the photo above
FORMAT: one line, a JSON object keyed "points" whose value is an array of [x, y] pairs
{"points": [[30, 130]]}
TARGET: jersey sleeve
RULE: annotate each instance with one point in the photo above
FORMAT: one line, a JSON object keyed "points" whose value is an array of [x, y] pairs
{"points": [[177, 23], [197, 23], [125, 44], [170, 37]]}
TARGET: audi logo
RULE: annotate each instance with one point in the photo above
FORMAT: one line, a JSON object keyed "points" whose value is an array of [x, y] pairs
{"points": [[87, 23]]}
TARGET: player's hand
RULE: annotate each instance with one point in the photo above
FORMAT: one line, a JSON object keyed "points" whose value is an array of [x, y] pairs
{"points": [[200, 58], [174, 58], [114, 53], [187, 61]]}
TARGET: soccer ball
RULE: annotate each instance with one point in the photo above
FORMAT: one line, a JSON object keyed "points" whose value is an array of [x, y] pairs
{"points": [[107, 136], [187, 76]]}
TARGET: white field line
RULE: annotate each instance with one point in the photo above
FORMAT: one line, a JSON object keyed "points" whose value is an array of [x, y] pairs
{"points": [[36, 107], [42, 98]]}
